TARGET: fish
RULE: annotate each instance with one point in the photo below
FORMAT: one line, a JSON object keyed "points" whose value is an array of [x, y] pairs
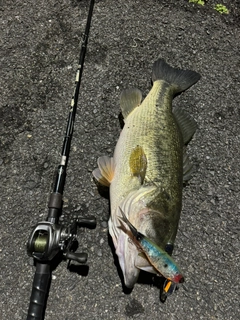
{"points": [[149, 167], [157, 257]]}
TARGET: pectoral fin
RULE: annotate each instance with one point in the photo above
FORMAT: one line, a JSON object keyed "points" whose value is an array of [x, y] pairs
{"points": [[138, 163], [105, 171], [129, 100]]}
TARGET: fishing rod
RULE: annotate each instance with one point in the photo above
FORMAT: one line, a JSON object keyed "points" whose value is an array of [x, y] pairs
{"points": [[50, 241]]}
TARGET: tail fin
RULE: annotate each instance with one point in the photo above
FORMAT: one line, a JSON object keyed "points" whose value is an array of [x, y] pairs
{"points": [[179, 79]]}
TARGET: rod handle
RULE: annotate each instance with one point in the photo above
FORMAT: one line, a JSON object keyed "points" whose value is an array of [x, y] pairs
{"points": [[40, 289]]}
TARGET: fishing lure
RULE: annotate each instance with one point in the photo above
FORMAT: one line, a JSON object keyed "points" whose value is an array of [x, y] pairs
{"points": [[156, 256], [169, 288]]}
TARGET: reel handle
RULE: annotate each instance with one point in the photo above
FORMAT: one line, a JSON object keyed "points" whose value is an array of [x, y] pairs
{"points": [[87, 222], [76, 256]]}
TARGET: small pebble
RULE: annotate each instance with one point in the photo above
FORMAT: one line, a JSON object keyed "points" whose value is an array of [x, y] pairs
{"points": [[45, 165], [104, 224], [99, 253]]}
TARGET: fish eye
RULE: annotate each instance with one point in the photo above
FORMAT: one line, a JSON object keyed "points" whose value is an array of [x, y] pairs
{"points": [[139, 236], [166, 265], [169, 248]]}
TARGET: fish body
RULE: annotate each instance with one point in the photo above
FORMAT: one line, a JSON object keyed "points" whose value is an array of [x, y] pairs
{"points": [[158, 258], [148, 167]]}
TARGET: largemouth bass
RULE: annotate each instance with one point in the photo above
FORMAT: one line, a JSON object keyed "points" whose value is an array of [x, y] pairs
{"points": [[149, 166]]}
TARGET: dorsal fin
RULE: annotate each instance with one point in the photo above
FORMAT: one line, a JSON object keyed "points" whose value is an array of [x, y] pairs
{"points": [[129, 100], [188, 168], [186, 123]]}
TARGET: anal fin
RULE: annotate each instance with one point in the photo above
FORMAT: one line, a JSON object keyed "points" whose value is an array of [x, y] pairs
{"points": [[129, 100]]}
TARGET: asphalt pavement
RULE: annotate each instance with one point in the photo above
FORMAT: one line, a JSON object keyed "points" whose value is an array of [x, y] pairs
{"points": [[39, 56]]}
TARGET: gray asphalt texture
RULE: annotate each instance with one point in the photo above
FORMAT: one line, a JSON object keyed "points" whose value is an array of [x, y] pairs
{"points": [[39, 55]]}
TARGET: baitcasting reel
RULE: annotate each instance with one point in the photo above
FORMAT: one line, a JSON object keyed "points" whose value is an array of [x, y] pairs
{"points": [[48, 239]]}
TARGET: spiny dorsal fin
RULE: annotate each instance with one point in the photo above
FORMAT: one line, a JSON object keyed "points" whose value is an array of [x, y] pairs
{"points": [[129, 100], [105, 171], [138, 163], [186, 124]]}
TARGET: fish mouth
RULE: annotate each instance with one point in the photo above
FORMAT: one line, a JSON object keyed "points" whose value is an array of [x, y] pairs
{"points": [[127, 253], [147, 221], [130, 258]]}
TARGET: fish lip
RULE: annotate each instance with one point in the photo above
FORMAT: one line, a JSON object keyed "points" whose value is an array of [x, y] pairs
{"points": [[129, 271]]}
